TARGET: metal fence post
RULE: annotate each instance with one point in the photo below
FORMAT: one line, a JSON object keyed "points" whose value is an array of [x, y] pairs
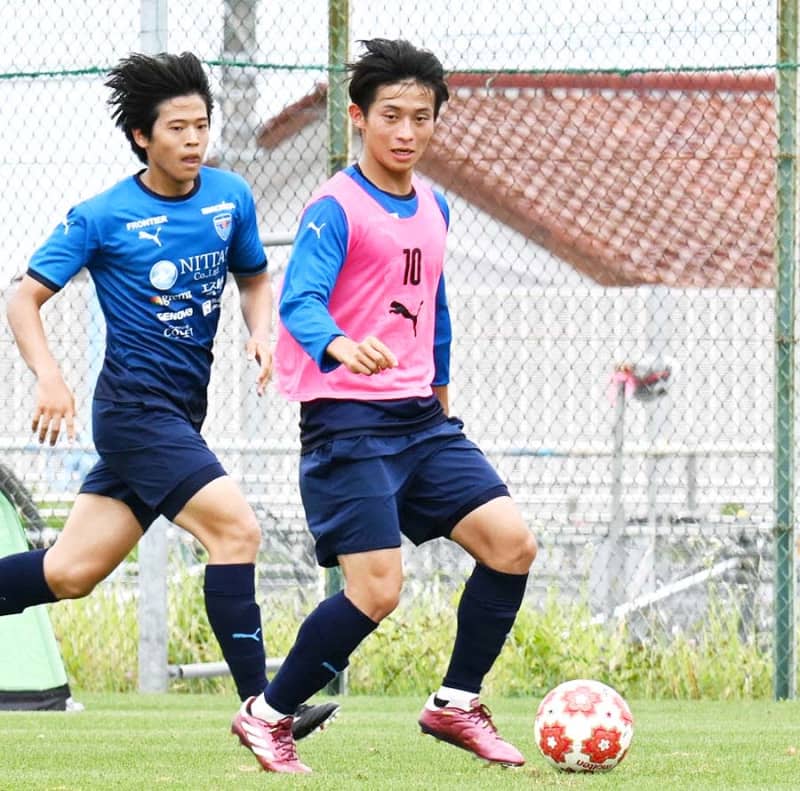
{"points": [[338, 158], [785, 345], [153, 608], [152, 548], [615, 559], [153, 20]]}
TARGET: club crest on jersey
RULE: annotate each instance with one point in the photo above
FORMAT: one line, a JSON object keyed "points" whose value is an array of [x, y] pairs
{"points": [[223, 224]]}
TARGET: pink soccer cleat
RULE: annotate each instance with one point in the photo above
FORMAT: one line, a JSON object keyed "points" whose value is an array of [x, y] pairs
{"points": [[471, 730], [272, 743]]}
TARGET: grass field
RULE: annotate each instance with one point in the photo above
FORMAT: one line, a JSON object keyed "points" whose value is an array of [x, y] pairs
{"points": [[182, 742]]}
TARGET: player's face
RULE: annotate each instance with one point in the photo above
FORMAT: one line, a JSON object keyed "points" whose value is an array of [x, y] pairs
{"points": [[177, 145], [395, 133]]}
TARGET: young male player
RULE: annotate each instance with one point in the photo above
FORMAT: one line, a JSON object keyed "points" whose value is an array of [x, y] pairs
{"points": [[158, 246], [364, 346]]}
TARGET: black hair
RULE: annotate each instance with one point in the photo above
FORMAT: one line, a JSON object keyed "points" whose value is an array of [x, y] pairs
{"points": [[140, 83], [389, 61]]}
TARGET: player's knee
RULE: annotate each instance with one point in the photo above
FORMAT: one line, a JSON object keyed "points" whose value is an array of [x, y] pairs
{"points": [[73, 581], [242, 537], [517, 553], [385, 603], [528, 550], [376, 601]]}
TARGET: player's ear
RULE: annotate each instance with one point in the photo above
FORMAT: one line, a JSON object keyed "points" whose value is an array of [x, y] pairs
{"points": [[356, 116], [140, 138]]}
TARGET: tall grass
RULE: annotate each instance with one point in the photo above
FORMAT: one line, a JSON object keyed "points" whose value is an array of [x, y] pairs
{"points": [[408, 654], [99, 637]]}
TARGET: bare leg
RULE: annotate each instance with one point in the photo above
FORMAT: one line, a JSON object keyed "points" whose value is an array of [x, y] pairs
{"points": [[219, 517], [97, 536]]}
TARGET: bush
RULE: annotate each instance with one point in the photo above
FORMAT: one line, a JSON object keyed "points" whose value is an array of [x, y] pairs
{"points": [[409, 652]]}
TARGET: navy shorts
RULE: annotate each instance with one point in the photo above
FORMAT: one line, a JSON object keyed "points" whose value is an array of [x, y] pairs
{"points": [[152, 458], [363, 493]]}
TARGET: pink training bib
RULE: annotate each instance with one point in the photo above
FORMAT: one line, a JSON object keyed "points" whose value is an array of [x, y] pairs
{"points": [[386, 288]]}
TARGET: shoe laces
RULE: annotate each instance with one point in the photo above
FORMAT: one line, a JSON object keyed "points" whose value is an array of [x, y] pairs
{"points": [[284, 742], [481, 716]]}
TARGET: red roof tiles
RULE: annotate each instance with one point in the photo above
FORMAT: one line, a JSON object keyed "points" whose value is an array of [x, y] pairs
{"points": [[632, 179]]}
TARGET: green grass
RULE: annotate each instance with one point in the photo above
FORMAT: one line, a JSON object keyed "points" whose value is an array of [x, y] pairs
{"points": [[128, 741]]}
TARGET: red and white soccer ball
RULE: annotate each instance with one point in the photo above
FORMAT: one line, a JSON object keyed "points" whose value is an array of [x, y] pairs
{"points": [[583, 726]]}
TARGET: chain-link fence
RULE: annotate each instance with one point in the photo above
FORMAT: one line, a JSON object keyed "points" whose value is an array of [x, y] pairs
{"points": [[611, 267]]}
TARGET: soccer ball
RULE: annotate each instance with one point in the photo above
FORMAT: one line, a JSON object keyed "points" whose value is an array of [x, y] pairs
{"points": [[583, 726]]}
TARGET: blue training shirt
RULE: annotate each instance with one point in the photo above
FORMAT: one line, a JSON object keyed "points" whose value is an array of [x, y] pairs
{"points": [[159, 266]]}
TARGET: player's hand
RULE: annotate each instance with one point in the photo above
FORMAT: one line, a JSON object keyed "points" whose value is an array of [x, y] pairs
{"points": [[261, 352], [370, 356], [55, 405]]}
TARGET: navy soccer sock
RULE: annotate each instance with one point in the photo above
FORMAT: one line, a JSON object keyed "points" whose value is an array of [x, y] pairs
{"points": [[22, 582], [322, 649], [235, 619], [487, 610]]}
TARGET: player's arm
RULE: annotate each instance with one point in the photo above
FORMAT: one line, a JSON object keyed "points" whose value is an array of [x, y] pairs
{"points": [[247, 263], [72, 245], [255, 300], [317, 258], [443, 333], [442, 337], [440, 391], [369, 356], [55, 402]]}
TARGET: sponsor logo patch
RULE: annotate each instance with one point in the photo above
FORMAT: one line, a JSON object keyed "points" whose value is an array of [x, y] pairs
{"points": [[213, 288], [167, 299], [136, 225], [210, 305], [224, 206], [175, 315], [184, 331], [163, 275]]}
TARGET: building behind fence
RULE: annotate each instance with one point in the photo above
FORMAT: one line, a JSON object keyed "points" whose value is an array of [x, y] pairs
{"points": [[611, 270]]}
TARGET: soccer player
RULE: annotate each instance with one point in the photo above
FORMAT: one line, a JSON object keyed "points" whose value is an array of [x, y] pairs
{"points": [[158, 246], [363, 344]]}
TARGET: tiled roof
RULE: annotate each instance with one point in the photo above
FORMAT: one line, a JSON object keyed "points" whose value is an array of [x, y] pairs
{"points": [[653, 178]]}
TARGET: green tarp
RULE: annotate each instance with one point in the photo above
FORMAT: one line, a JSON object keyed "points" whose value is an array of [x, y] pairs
{"points": [[31, 671]]}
